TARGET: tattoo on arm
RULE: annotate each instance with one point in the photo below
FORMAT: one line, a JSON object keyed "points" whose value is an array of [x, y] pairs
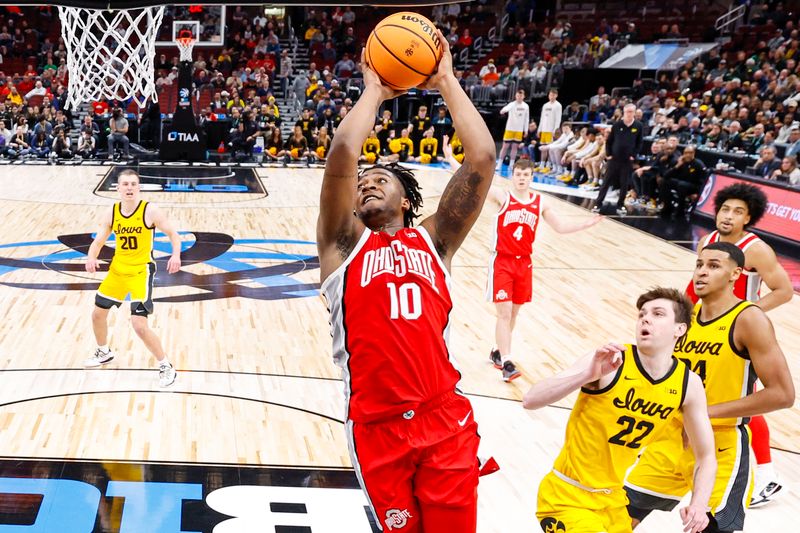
{"points": [[460, 205]]}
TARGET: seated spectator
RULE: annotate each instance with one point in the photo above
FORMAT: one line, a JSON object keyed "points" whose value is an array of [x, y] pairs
{"points": [[686, 178], [43, 125], [767, 163], [5, 133], [273, 147], [383, 126], [322, 142], [61, 146], [19, 146], [593, 164], [40, 145], [645, 177], [118, 133], [371, 149], [552, 153], [529, 147], [491, 77], [401, 148], [716, 138], [736, 141], [87, 145], [344, 67], [296, 146], [787, 172], [428, 148], [235, 100], [13, 96], [62, 122], [793, 147]]}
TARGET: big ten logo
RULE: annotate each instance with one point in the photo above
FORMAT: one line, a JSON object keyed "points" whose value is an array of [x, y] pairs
{"points": [[70, 506]]}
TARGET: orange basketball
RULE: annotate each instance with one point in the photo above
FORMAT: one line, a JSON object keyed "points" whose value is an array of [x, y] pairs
{"points": [[404, 50]]}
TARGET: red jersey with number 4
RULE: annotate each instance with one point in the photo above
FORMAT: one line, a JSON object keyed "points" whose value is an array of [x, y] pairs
{"points": [[515, 225], [390, 318], [748, 286]]}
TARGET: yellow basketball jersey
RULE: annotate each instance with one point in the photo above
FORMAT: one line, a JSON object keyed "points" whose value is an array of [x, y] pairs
{"points": [[428, 146], [709, 351], [609, 427], [371, 145], [408, 144], [134, 240]]}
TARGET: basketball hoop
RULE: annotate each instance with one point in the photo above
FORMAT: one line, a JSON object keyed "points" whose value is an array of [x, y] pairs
{"points": [[185, 42], [110, 53]]}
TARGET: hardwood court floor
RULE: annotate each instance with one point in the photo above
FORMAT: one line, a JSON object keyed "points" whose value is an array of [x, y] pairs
{"points": [[256, 383]]}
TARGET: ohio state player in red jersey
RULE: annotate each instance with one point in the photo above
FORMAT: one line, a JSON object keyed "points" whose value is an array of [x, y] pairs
{"points": [[413, 439], [738, 207], [510, 270]]}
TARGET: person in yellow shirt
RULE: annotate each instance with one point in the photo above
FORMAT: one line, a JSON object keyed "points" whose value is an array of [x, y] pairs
{"points": [[132, 271], [371, 148], [401, 148], [428, 147], [730, 344], [628, 395]]}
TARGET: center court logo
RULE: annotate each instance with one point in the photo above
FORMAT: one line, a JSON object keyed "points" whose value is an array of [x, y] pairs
{"points": [[261, 269], [396, 519]]}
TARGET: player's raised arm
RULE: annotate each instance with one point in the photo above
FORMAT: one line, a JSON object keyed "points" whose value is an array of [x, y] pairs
{"points": [[496, 194], [701, 437], [463, 198], [337, 228], [103, 232], [755, 336], [586, 370]]}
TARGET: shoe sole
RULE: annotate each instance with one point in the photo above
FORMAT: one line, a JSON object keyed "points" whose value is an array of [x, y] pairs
{"points": [[498, 367], [168, 384], [767, 499], [512, 377]]}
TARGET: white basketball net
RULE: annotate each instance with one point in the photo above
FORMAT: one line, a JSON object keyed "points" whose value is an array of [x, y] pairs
{"points": [[110, 53], [185, 47]]}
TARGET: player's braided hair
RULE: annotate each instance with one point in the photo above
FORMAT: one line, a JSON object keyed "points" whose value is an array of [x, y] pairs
{"points": [[410, 186], [753, 196]]}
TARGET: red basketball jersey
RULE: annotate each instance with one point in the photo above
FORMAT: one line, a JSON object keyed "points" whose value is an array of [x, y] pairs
{"points": [[390, 318], [515, 225], [748, 286]]}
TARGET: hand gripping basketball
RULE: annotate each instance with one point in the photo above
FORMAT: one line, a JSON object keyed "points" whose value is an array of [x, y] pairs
{"points": [[372, 80]]}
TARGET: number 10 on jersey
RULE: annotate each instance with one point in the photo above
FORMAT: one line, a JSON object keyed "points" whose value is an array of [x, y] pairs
{"points": [[405, 301]]}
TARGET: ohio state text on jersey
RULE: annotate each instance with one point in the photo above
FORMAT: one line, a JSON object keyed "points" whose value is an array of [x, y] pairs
{"points": [[390, 318], [515, 225]]}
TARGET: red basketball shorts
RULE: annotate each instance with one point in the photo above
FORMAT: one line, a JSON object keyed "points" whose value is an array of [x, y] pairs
{"points": [[419, 469], [510, 279]]}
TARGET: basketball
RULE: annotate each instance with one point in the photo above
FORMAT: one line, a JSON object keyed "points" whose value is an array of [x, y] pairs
{"points": [[404, 50]]}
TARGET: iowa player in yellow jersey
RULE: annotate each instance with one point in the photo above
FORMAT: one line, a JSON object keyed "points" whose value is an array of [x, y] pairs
{"points": [[730, 344], [628, 394], [132, 270]]}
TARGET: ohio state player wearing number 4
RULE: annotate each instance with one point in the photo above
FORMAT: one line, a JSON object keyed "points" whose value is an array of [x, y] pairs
{"points": [[510, 270], [412, 436]]}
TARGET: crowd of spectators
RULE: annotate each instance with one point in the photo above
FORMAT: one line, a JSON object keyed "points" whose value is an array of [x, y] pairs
{"points": [[730, 105]]}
